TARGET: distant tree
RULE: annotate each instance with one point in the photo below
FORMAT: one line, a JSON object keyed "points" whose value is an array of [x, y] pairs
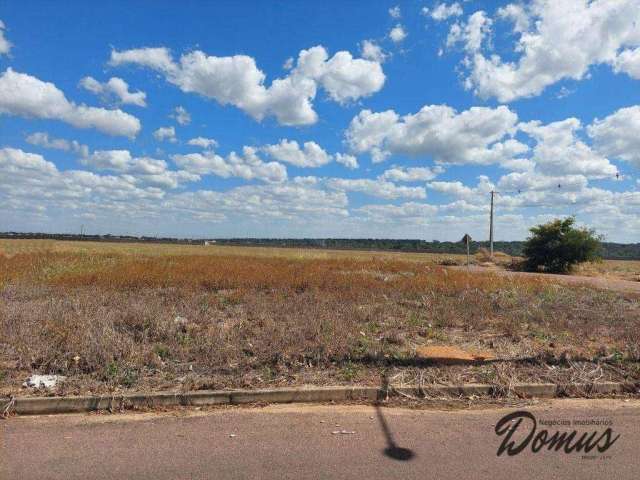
{"points": [[558, 245]]}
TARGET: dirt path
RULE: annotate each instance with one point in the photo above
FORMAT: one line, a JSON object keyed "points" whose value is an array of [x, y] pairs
{"points": [[616, 285]]}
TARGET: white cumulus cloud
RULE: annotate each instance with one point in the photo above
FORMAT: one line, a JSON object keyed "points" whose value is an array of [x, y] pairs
{"points": [[478, 136], [397, 34], [617, 135], [237, 80], [311, 155], [5, 45], [165, 133], [181, 115], [143, 170], [347, 160], [202, 142], [114, 88], [370, 50], [27, 96], [442, 11], [247, 165], [471, 34], [42, 139], [412, 174], [376, 187], [557, 40], [559, 151]]}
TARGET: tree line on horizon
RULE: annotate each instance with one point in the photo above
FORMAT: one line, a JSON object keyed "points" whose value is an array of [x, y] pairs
{"points": [[609, 250]]}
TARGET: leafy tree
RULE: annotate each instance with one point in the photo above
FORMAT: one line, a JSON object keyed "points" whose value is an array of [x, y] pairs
{"points": [[558, 245]]}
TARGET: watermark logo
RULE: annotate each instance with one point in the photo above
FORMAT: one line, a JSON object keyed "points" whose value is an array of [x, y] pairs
{"points": [[514, 427]]}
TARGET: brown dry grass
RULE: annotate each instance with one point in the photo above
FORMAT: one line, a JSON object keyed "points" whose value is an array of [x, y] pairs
{"points": [[615, 269], [112, 317]]}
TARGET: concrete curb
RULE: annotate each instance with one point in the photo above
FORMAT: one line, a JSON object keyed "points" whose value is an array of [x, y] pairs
{"points": [[54, 405]]}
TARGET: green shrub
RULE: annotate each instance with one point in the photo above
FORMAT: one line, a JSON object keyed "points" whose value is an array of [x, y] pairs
{"points": [[556, 246]]}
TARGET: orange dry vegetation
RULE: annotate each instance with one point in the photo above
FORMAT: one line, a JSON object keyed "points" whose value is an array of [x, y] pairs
{"points": [[230, 272], [110, 319]]}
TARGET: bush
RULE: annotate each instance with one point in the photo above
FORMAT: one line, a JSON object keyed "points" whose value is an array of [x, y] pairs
{"points": [[557, 246]]}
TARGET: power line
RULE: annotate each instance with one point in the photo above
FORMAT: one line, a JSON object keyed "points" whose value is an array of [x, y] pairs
{"points": [[520, 191], [618, 176], [537, 205]]}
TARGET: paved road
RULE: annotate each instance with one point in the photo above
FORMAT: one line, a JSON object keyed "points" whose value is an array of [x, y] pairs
{"points": [[292, 441], [617, 285]]}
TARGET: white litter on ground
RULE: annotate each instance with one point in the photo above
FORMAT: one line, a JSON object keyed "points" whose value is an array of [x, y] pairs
{"points": [[343, 432], [43, 381]]}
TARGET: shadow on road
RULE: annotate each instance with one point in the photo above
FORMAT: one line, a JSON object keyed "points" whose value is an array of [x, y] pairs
{"points": [[393, 450]]}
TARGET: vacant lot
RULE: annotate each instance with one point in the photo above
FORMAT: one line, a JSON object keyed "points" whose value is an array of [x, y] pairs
{"points": [[114, 317]]}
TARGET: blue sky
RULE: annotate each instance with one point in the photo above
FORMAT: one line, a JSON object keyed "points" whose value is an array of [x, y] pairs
{"points": [[331, 119]]}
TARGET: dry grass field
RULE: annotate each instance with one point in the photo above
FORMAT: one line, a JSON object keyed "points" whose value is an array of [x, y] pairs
{"points": [[114, 317]]}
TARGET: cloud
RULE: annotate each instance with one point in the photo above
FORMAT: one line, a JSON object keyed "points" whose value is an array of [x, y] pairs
{"points": [[5, 45], [516, 14], [370, 50], [145, 170], [155, 58], [559, 151], [415, 174], [347, 160], [376, 188], [472, 33], [394, 12], [442, 11], [343, 77], [139, 198], [204, 164], [37, 185], [247, 165], [165, 133], [289, 151], [277, 201], [139, 169], [27, 96], [628, 61], [181, 116], [397, 34], [528, 181], [42, 139], [41, 197], [288, 63], [458, 190], [116, 160], [114, 88], [390, 214], [237, 81], [474, 136], [617, 135], [202, 142], [13, 160], [556, 41]]}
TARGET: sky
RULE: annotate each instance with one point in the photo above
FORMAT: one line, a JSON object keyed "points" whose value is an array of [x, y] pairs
{"points": [[346, 119]]}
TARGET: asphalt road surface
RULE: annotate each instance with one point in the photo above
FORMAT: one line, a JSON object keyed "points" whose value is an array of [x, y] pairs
{"points": [[297, 441]]}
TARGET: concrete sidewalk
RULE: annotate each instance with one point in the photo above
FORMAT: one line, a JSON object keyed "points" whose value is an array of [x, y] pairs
{"points": [[298, 441]]}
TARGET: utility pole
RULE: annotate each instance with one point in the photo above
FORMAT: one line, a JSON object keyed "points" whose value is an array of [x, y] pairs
{"points": [[491, 225]]}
